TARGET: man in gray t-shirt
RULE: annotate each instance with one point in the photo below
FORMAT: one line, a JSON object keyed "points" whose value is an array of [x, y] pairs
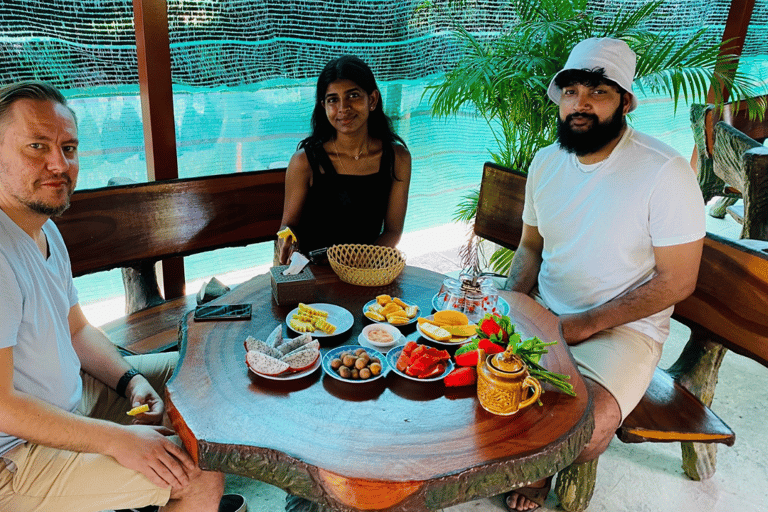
{"points": [[58, 373]]}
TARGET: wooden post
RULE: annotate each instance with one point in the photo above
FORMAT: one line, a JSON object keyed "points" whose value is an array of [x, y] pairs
{"points": [[736, 27], [739, 16], [154, 62]]}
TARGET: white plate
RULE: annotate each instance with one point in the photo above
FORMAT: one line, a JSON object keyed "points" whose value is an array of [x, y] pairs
{"points": [[366, 344], [372, 302], [290, 376], [331, 354], [501, 305], [337, 315], [453, 342], [394, 354]]}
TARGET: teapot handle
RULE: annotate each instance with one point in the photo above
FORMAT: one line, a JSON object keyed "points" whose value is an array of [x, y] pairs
{"points": [[531, 382]]}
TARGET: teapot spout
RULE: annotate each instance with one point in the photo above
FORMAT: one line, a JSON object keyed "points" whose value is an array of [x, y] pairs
{"points": [[480, 359]]}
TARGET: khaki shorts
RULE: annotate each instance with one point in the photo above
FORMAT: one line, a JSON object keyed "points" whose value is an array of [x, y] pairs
{"points": [[620, 359], [49, 479]]}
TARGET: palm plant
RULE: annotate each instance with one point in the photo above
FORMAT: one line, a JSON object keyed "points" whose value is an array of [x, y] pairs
{"points": [[505, 78]]}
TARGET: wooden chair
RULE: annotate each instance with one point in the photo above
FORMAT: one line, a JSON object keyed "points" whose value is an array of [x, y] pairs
{"points": [[704, 118], [742, 162], [676, 405], [133, 226]]}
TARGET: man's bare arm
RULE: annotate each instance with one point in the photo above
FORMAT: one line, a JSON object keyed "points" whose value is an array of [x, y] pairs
{"points": [[677, 269], [139, 447], [524, 270]]}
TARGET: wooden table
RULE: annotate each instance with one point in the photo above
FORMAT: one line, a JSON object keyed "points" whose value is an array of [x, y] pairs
{"points": [[390, 444]]}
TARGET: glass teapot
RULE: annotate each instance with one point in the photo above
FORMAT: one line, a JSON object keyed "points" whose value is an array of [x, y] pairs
{"points": [[473, 293]]}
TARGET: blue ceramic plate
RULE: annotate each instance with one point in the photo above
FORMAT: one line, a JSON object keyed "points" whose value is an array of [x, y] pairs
{"points": [[394, 354], [372, 302], [337, 315], [333, 353]]}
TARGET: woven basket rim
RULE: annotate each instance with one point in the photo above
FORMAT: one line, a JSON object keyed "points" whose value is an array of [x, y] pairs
{"points": [[367, 276], [380, 248]]}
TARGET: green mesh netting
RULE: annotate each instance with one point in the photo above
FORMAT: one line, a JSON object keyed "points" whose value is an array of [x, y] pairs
{"points": [[244, 73]]}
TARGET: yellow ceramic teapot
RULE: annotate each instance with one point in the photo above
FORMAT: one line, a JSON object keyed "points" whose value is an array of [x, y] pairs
{"points": [[503, 381]]}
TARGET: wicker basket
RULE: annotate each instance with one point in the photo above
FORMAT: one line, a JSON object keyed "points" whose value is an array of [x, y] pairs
{"points": [[366, 265]]}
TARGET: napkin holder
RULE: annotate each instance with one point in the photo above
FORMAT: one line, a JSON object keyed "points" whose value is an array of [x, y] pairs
{"points": [[292, 289]]}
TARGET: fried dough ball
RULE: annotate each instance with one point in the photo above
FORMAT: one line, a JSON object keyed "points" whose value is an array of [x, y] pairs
{"points": [[362, 361]]}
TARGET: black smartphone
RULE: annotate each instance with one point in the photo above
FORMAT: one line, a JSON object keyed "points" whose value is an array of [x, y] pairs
{"points": [[223, 312], [319, 256]]}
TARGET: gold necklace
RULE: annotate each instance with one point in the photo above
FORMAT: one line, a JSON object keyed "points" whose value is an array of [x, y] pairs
{"points": [[338, 155]]}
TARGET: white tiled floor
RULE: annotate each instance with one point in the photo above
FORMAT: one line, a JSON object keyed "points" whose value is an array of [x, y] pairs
{"points": [[633, 478]]}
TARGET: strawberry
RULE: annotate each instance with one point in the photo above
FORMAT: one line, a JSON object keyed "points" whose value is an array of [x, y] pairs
{"points": [[489, 326], [465, 376], [489, 346], [467, 358], [467, 347]]}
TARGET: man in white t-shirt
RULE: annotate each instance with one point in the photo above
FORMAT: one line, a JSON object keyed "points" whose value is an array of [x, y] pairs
{"points": [[65, 440], [612, 238]]}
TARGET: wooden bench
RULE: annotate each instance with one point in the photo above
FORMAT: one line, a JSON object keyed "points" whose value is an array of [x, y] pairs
{"points": [[135, 226], [676, 405]]}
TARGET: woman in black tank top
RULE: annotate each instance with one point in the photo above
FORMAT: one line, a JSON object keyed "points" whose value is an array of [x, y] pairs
{"points": [[348, 182]]}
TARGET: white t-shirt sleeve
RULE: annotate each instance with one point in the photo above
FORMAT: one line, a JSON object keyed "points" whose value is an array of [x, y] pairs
{"points": [[676, 206]]}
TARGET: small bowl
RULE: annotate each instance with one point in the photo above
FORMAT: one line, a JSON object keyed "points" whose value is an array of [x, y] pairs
{"points": [[391, 329]]}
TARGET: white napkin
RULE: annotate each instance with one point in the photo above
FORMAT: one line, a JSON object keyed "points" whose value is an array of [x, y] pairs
{"points": [[296, 264]]}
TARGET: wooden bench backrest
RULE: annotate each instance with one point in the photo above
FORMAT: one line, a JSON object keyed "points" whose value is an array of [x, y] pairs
{"points": [[500, 208], [122, 226], [731, 296]]}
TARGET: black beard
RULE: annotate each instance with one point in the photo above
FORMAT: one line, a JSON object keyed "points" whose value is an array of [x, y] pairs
{"points": [[47, 210], [592, 140]]}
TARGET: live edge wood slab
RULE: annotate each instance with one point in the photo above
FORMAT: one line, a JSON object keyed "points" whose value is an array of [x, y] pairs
{"points": [[390, 444]]}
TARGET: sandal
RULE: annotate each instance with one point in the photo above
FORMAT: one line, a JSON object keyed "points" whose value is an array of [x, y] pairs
{"points": [[538, 495]]}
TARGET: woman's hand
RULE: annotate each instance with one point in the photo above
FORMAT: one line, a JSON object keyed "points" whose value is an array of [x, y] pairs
{"points": [[285, 249]]}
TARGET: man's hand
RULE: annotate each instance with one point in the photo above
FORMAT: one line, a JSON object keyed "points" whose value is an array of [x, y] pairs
{"points": [[140, 392], [677, 268], [147, 449], [576, 328]]}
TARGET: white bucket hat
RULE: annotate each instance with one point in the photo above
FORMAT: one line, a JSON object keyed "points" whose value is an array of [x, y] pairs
{"points": [[613, 55]]}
